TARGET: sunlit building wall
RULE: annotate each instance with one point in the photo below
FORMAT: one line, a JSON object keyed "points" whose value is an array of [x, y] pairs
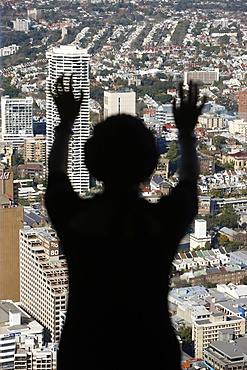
{"points": [[70, 59]]}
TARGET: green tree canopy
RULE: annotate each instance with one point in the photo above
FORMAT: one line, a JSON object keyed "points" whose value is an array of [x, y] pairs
{"points": [[228, 218], [173, 155], [186, 333]]}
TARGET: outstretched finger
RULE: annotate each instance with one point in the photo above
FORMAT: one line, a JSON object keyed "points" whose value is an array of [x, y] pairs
{"points": [[174, 104], [195, 94], [190, 91], [62, 82], [181, 92], [204, 99], [71, 83], [81, 97], [59, 84]]}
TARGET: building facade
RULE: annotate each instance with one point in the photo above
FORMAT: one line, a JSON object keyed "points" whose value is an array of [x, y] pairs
{"points": [[119, 102], [18, 330], [238, 126], [43, 279], [44, 358], [205, 331], [211, 121], [11, 220], [35, 149], [242, 103], [69, 59], [207, 76], [17, 119]]}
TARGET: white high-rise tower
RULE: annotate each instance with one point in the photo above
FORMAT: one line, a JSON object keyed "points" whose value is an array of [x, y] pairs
{"points": [[70, 59]]}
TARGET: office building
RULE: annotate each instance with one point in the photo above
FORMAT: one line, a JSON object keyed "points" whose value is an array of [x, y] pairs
{"points": [[119, 102], [207, 77], [205, 331], [17, 119], [242, 103], [11, 220], [211, 121], [69, 59], [18, 330], [43, 279]]}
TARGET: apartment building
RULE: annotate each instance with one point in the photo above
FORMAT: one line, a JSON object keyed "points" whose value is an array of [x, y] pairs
{"points": [[35, 170], [238, 126], [35, 149], [70, 59], [43, 279], [207, 330]]}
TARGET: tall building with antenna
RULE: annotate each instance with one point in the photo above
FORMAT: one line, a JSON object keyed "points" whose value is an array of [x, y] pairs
{"points": [[69, 59]]}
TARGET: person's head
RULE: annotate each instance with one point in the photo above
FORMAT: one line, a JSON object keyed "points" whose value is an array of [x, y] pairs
{"points": [[122, 150]]}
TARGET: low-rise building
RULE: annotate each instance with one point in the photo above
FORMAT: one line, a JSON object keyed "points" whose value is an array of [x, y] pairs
{"points": [[17, 328]]}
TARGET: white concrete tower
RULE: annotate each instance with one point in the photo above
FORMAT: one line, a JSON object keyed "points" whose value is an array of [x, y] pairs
{"points": [[69, 59]]}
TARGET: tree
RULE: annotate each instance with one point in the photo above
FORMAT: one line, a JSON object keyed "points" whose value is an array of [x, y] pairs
{"points": [[207, 245], [228, 217], [173, 156], [185, 333], [223, 240], [244, 280]]}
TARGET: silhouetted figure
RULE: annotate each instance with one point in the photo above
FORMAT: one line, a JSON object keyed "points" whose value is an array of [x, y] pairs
{"points": [[120, 247]]}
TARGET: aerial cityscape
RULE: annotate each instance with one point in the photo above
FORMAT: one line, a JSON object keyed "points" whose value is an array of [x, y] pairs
{"points": [[126, 57]]}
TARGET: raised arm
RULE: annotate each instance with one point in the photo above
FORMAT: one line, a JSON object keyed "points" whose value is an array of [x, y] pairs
{"points": [[68, 109], [186, 117]]}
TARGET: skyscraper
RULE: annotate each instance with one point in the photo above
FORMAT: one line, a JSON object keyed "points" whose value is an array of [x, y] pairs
{"points": [[69, 59]]}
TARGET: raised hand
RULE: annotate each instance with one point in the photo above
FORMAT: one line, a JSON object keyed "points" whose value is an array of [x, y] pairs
{"points": [[186, 115], [68, 107]]}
